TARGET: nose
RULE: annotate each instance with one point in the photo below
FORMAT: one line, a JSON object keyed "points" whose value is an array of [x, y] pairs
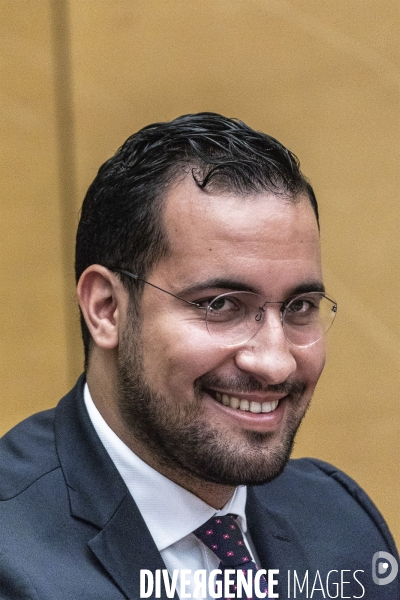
{"points": [[268, 355]]}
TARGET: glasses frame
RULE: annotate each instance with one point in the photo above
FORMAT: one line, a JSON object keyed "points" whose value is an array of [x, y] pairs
{"points": [[259, 317]]}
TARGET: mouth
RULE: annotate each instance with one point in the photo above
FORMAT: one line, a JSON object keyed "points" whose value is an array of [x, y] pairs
{"points": [[244, 404]]}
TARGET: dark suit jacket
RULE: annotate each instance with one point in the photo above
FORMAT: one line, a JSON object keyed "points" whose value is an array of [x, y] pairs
{"points": [[69, 529]]}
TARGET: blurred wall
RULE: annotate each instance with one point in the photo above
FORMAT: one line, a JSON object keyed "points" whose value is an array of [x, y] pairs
{"points": [[79, 76]]}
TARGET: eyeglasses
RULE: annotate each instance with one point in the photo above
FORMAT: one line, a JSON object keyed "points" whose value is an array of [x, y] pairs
{"points": [[234, 318]]}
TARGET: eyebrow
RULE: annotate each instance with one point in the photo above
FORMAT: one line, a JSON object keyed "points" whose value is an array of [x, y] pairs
{"points": [[311, 285], [220, 283]]}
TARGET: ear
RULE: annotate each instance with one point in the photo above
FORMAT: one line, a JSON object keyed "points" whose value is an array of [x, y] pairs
{"points": [[101, 298]]}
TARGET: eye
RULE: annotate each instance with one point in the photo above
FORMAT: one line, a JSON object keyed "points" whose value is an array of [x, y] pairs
{"points": [[226, 308], [303, 307], [300, 305], [217, 304], [222, 303], [204, 302]]}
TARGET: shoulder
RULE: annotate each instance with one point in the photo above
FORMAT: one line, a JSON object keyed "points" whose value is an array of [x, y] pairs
{"points": [[27, 452], [312, 486], [321, 480], [310, 475], [319, 494]]}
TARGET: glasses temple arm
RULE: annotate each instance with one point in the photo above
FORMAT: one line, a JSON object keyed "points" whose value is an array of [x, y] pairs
{"points": [[134, 276]]}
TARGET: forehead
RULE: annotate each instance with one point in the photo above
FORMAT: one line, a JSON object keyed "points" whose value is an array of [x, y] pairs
{"points": [[212, 234]]}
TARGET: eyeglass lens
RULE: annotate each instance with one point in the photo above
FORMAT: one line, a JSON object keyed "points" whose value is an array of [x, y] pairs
{"points": [[235, 317]]}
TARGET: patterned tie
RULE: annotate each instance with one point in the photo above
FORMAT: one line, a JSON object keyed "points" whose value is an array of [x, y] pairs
{"points": [[223, 536]]}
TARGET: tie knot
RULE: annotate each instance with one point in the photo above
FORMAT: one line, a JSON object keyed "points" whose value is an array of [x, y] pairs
{"points": [[223, 536]]}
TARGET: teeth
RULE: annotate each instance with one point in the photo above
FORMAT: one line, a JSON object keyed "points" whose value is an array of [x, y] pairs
{"points": [[254, 407], [269, 406], [234, 402]]}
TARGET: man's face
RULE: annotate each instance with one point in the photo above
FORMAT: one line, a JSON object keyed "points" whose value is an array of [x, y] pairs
{"points": [[173, 375]]}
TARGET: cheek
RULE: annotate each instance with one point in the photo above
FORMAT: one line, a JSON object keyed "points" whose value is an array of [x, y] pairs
{"points": [[174, 357], [310, 363]]}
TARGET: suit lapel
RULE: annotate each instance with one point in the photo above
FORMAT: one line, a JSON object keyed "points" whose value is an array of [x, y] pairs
{"points": [[124, 547], [98, 495], [274, 537]]}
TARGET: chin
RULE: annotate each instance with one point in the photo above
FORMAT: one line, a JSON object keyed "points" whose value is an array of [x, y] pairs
{"points": [[261, 459]]}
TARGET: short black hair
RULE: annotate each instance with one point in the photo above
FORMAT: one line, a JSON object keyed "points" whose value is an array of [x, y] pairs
{"points": [[121, 219]]}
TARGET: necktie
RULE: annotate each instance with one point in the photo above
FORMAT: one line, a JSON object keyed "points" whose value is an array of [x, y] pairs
{"points": [[223, 536]]}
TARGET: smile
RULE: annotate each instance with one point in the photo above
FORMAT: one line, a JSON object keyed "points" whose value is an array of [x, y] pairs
{"points": [[246, 405]]}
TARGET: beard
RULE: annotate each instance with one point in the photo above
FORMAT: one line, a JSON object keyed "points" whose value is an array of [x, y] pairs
{"points": [[181, 440]]}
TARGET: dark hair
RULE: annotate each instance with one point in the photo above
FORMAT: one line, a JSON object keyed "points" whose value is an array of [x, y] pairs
{"points": [[121, 219]]}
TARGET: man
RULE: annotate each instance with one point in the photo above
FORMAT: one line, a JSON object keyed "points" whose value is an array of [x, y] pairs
{"points": [[203, 318]]}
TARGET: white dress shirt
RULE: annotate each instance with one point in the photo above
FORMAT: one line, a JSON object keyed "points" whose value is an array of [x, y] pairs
{"points": [[171, 513]]}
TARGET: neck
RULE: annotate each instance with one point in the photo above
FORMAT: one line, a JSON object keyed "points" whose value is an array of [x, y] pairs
{"points": [[213, 494]]}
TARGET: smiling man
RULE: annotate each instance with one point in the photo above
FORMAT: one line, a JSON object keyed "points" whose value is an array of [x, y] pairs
{"points": [[203, 316]]}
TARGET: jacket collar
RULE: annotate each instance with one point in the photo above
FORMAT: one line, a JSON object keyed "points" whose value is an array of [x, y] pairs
{"points": [[275, 538], [99, 496]]}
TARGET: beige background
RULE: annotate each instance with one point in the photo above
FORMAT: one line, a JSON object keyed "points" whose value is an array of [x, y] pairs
{"points": [[79, 76]]}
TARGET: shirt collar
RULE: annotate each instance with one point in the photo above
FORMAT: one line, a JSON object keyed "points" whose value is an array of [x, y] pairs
{"points": [[170, 511]]}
